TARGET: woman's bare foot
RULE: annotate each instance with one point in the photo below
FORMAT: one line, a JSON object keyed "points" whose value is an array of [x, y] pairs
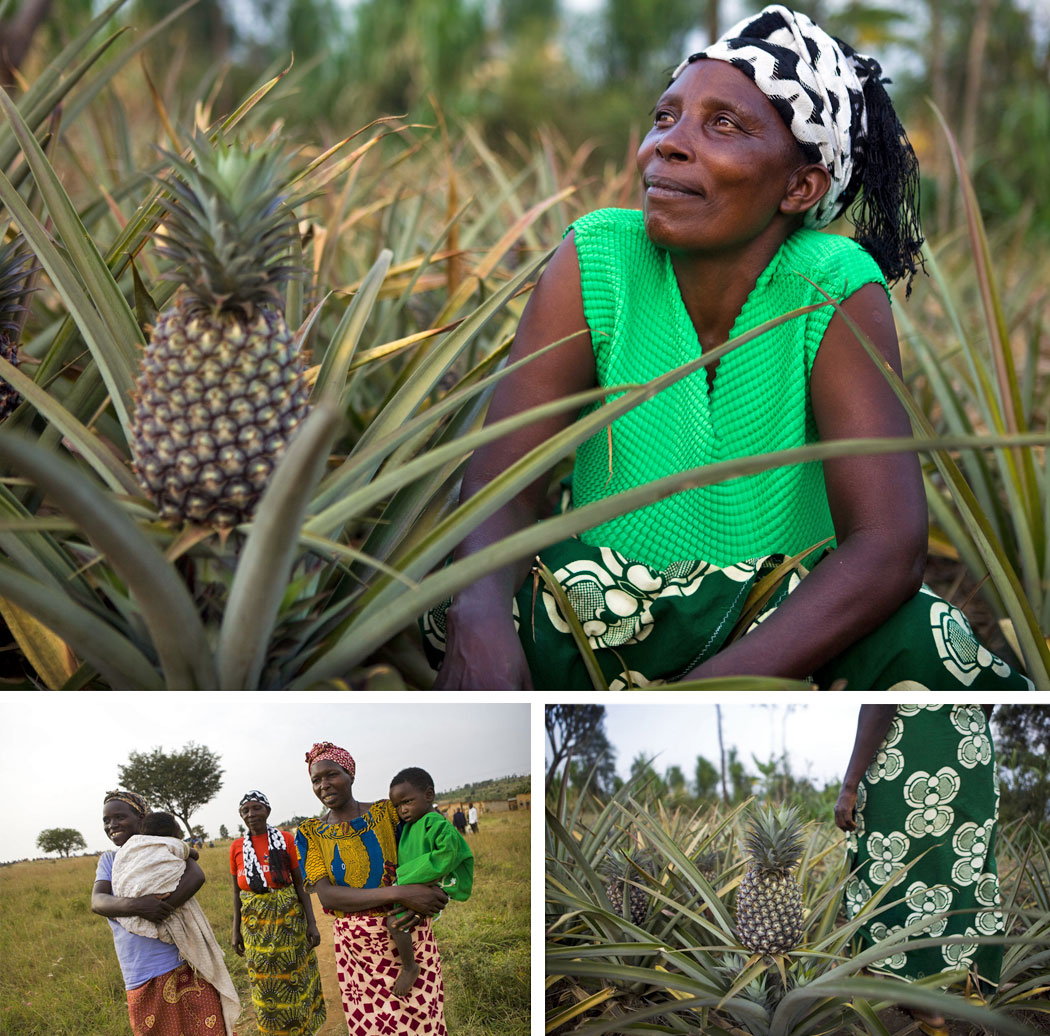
{"points": [[406, 979], [930, 1023]]}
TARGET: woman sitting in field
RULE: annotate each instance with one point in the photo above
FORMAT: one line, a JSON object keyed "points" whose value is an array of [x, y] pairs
{"points": [[349, 858], [758, 143], [274, 927], [166, 995]]}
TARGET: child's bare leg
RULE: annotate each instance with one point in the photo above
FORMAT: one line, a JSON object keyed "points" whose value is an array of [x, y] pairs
{"points": [[409, 968]]}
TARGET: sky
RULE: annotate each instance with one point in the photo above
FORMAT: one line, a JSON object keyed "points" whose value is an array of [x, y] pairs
{"points": [[818, 738], [64, 750]]}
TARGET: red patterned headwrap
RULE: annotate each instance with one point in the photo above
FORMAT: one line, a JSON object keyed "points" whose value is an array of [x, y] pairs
{"points": [[326, 750]]}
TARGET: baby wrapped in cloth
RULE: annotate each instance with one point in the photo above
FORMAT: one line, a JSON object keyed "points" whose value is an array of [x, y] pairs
{"points": [[152, 865]]}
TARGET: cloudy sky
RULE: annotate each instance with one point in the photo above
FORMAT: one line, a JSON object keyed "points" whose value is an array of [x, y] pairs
{"points": [[817, 738], [59, 753]]}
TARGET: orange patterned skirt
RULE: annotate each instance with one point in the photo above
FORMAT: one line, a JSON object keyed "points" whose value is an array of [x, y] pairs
{"points": [[177, 1003], [366, 963]]}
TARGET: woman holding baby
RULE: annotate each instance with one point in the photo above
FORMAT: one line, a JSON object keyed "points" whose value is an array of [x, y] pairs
{"points": [[166, 996], [349, 859]]}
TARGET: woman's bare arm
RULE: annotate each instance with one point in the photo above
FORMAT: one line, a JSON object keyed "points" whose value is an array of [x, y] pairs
{"points": [[878, 506], [873, 722], [237, 941], [152, 908], [424, 899], [313, 934], [483, 652]]}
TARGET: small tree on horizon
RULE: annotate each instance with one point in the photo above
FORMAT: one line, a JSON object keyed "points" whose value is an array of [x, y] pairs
{"points": [[223, 831], [179, 782], [60, 840]]}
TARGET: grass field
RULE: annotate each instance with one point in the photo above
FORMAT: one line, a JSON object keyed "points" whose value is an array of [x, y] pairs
{"points": [[59, 974]]}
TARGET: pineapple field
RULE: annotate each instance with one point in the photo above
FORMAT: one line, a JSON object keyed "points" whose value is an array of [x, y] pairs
{"points": [[729, 921], [244, 357]]}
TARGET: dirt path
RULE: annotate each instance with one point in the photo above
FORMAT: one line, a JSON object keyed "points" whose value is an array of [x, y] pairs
{"points": [[335, 1024]]}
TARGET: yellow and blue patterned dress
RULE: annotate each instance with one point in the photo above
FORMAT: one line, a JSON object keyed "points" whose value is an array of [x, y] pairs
{"points": [[361, 854]]}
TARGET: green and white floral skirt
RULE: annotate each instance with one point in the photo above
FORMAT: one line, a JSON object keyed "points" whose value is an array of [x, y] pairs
{"points": [[646, 624], [926, 814]]}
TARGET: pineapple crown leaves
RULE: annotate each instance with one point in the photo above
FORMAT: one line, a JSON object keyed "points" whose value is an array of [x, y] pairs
{"points": [[17, 266], [230, 222], [774, 838]]}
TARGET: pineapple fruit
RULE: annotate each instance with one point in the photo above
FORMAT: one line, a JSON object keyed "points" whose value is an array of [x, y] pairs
{"points": [[15, 270], [618, 884], [769, 900], [221, 387]]}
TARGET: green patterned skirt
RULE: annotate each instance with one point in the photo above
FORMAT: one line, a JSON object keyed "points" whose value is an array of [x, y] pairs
{"points": [[932, 791], [282, 966], [646, 625]]}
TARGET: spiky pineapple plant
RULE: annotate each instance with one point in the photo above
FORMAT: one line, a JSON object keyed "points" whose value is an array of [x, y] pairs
{"points": [[15, 269], [221, 387], [769, 900]]}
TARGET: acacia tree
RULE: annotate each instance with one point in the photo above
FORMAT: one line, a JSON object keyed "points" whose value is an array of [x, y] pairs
{"points": [[60, 840], [178, 782]]}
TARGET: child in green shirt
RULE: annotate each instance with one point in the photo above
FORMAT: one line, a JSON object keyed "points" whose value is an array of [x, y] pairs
{"points": [[430, 851]]}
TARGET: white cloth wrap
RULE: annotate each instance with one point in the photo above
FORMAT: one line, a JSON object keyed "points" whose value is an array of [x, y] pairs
{"points": [[792, 60], [149, 865]]}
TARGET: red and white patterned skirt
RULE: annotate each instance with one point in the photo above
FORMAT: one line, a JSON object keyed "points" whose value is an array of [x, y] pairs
{"points": [[366, 964]]}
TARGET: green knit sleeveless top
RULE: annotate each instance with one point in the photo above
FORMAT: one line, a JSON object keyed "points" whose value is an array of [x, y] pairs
{"points": [[759, 401]]}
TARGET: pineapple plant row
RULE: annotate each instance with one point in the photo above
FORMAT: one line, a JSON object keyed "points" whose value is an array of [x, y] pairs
{"points": [[784, 962]]}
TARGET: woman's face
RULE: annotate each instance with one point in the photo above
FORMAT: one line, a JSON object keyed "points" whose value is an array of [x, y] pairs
{"points": [[120, 822], [716, 164], [254, 814], [331, 783]]}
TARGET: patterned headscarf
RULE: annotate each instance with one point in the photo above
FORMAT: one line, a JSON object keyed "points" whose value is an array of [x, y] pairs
{"points": [[253, 871], [136, 802], [833, 101], [326, 750]]}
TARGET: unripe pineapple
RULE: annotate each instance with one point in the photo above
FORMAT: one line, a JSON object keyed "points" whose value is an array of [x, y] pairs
{"points": [[15, 269], [637, 899], [221, 388], [769, 900]]}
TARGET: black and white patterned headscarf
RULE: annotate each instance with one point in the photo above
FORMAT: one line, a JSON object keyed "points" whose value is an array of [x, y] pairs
{"points": [[833, 101], [253, 872]]}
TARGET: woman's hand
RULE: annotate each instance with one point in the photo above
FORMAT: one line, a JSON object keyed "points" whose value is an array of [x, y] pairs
{"points": [[845, 809], [408, 921], [423, 899], [237, 942], [152, 908], [313, 936]]}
